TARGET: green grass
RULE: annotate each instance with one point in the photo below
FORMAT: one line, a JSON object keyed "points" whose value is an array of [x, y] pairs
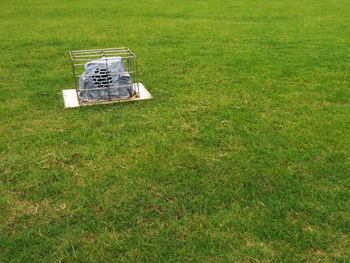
{"points": [[242, 155]]}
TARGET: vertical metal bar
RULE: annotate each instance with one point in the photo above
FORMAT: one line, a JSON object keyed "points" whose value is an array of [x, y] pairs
{"points": [[137, 76], [107, 76], [74, 76], [130, 69]]}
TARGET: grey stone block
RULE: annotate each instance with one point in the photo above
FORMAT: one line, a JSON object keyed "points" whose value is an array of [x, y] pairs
{"points": [[99, 74]]}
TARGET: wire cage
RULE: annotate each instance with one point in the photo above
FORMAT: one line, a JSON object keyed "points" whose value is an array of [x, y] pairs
{"points": [[104, 75]]}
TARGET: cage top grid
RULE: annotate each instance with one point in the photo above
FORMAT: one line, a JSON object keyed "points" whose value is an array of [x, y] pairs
{"points": [[80, 57]]}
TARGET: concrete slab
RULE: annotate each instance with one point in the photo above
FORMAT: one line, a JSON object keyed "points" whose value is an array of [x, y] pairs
{"points": [[71, 99]]}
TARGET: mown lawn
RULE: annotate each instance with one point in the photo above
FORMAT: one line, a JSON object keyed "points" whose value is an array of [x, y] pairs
{"points": [[242, 155]]}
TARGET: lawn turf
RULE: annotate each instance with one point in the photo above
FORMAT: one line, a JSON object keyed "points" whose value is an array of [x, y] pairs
{"points": [[242, 155]]}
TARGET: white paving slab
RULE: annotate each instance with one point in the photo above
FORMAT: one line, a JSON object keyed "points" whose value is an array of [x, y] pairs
{"points": [[71, 99]]}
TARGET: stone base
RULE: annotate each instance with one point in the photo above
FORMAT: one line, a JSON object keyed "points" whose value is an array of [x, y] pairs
{"points": [[71, 99]]}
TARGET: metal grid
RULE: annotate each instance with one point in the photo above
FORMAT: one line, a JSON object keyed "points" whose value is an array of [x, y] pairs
{"points": [[80, 57]]}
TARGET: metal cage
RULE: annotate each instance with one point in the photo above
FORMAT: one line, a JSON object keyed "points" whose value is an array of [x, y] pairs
{"points": [[102, 79]]}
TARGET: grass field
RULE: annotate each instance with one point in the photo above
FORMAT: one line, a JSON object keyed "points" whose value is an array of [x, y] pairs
{"points": [[243, 155]]}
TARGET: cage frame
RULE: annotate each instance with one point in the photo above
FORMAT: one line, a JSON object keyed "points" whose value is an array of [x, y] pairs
{"points": [[80, 57]]}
